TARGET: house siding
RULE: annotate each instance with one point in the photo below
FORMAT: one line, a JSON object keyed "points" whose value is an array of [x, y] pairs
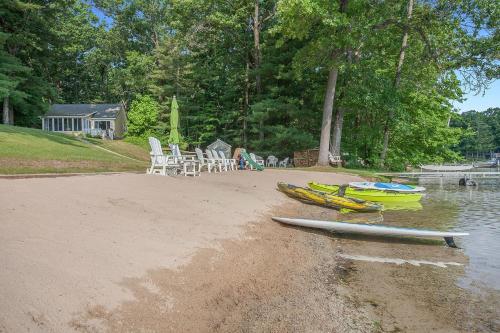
{"points": [[120, 124]]}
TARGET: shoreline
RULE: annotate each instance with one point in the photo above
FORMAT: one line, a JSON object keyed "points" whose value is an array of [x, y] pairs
{"points": [[280, 278], [270, 280], [124, 264]]}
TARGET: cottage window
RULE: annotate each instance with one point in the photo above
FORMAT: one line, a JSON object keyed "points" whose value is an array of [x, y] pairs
{"points": [[102, 124], [67, 124], [77, 124], [47, 124], [58, 122]]}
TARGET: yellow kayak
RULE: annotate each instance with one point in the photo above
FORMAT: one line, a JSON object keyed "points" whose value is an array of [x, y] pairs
{"points": [[327, 200], [371, 195]]}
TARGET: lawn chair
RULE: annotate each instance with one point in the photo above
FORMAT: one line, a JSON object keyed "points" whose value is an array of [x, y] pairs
{"points": [[272, 161], [190, 164], [231, 162], [284, 163], [218, 161], [335, 159], [251, 162], [223, 161], [258, 161], [204, 161], [161, 163]]}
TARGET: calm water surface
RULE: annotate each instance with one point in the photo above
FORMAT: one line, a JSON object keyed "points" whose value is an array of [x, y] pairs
{"points": [[472, 209]]}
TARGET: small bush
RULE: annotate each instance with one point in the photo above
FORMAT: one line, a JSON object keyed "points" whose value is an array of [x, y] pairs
{"points": [[142, 117]]}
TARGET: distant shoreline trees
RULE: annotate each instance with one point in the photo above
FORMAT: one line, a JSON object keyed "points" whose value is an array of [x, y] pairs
{"points": [[481, 133]]}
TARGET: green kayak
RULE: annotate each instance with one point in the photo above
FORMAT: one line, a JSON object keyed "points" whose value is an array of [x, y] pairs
{"points": [[369, 195]]}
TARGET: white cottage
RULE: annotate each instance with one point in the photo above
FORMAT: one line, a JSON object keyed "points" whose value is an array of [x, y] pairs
{"points": [[93, 119]]}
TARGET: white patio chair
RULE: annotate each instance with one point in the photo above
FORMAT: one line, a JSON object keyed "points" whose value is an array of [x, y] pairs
{"points": [[218, 161], [258, 161], [205, 161], [284, 163], [161, 163], [272, 161], [335, 159], [231, 162]]}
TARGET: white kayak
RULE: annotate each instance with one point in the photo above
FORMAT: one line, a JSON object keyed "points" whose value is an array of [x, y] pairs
{"points": [[387, 187], [370, 229]]}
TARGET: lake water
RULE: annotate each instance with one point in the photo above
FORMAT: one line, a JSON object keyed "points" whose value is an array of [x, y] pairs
{"points": [[472, 209]]}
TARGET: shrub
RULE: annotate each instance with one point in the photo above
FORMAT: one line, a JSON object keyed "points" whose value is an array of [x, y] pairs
{"points": [[142, 117]]}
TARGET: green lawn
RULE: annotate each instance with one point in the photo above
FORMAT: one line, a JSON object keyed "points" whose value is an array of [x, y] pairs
{"points": [[122, 147], [26, 150]]}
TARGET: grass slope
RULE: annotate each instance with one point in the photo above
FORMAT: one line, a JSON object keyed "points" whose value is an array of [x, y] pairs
{"points": [[26, 150]]}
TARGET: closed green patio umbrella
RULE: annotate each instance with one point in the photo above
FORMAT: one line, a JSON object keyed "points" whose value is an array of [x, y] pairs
{"points": [[174, 123]]}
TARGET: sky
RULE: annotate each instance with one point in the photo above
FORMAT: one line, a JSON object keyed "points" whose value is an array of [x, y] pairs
{"points": [[490, 99]]}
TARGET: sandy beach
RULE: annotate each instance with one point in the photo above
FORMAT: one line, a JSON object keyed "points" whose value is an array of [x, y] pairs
{"points": [[138, 253]]}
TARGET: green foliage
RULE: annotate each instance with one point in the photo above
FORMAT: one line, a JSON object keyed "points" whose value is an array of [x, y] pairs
{"points": [[482, 132], [205, 53], [142, 117]]}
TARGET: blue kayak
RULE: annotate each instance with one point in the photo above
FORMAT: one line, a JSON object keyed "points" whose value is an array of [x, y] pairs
{"points": [[387, 187]]}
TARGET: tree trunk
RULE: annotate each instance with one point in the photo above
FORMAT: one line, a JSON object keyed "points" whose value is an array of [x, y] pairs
{"points": [[11, 115], [245, 105], [397, 80], [337, 131], [257, 61], [6, 111], [324, 144]]}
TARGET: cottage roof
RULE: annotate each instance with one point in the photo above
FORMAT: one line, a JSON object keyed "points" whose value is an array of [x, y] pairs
{"points": [[218, 144], [79, 110]]}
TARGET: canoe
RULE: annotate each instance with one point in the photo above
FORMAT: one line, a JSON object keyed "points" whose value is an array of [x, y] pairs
{"points": [[387, 187], [370, 229], [327, 200], [369, 195]]}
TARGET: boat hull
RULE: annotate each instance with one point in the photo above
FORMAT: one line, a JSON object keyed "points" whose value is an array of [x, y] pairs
{"points": [[388, 187], [369, 195], [327, 200]]}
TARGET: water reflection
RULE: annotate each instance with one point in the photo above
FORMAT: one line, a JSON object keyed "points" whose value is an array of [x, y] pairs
{"points": [[472, 209], [408, 206]]}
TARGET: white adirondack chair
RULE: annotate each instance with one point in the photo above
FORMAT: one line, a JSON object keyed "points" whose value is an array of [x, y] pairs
{"points": [[190, 164], [272, 161], [223, 162], [205, 161], [161, 163], [176, 152], [231, 162], [284, 163], [217, 160], [258, 161]]}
